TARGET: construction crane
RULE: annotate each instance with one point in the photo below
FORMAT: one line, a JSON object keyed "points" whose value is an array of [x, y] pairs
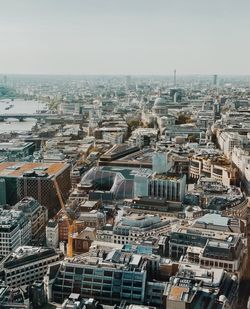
{"points": [[71, 223]]}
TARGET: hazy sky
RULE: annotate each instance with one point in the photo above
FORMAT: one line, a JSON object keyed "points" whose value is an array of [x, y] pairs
{"points": [[125, 36]]}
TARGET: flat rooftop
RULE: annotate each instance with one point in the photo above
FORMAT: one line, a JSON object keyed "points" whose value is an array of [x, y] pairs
{"points": [[14, 145], [17, 169], [27, 254], [88, 204], [114, 257], [215, 234], [213, 219], [126, 172], [178, 293], [167, 176]]}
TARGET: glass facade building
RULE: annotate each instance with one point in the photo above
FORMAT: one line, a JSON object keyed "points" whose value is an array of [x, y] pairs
{"points": [[107, 283]]}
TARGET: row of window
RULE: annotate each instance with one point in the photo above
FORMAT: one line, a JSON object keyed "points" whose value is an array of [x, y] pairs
{"points": [[70, 271]]}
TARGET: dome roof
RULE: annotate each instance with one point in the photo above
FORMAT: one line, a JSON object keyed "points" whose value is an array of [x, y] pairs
{"points": [[160, 102]]}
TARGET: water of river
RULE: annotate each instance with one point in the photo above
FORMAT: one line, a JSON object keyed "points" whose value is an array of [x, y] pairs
{"points": [[19, 107]]}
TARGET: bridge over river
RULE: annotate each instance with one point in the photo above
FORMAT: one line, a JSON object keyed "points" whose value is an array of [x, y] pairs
{"points": [[22, 116], [40, 116]]}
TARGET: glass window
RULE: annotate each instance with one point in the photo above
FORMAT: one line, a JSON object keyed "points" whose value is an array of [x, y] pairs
{"points": [[99, 272], [117, 275], [88, 271], [127, 276], [138, 277], [128, 283], [108, 273], [97, 280], [79, 271], [137, 284], [69, 269]]}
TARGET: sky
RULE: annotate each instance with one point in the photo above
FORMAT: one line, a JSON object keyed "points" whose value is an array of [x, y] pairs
{"points": [[134, 37]]}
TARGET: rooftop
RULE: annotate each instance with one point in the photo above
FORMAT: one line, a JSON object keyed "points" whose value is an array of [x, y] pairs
{"points": [[214, 219], [17, 169], [9, 219], [167, 176], [15, 145], [27, 254], [27, 205], [179, 293], [111, 258]]}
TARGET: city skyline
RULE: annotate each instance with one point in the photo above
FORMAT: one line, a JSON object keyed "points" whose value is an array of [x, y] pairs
{"points": [[119, 38]]}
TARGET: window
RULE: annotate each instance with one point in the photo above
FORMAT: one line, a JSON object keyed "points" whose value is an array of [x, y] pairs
{"points": [[88, 271], [108, 273], [106, 288], [98, 272], [117, 275], [127, 283], [69, 269], [137, 284], [97, 280], [137, 277], [79, 271], [127, 276]]}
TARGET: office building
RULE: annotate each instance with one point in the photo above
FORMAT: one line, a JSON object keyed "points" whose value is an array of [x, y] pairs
{"points": [[168, 186], [199, 288], [27, 264], [136, 227], [37, 214], [109, 276], [16, 150], [36, 180], [13, 297], [15, 230], [211, 241], [52, 234], [37, 294]]}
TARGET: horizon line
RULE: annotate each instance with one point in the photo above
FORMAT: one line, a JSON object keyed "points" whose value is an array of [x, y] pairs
{"points": [[126, 74]]}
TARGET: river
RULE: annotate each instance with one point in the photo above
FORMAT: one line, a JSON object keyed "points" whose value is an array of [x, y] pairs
{"points": [[19, 107]]}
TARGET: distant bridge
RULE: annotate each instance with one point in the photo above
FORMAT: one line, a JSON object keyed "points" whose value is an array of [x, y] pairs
{"points": [[22, 117]]}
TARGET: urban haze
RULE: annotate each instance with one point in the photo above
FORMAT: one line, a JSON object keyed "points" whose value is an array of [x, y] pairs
{"points": [[124, 154]]}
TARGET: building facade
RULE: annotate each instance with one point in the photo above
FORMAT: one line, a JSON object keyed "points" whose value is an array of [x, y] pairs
{"points": [[15, 230], [27, 264], [37, 214]]}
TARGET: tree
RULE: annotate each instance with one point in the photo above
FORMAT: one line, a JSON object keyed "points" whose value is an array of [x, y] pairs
{"points": [[183, 119]]}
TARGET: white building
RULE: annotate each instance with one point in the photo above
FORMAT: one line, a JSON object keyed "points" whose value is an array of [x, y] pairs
{"points": [[36, 213], [143, 137], [160, 107], [227, 141], [15, 230], [52, 234], [27, 264], [241, 158], [212, 165]]}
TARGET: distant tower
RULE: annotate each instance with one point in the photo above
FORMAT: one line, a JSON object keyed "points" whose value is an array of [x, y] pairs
{"points": [[5, 80], [175, 78], [215, 80]]}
